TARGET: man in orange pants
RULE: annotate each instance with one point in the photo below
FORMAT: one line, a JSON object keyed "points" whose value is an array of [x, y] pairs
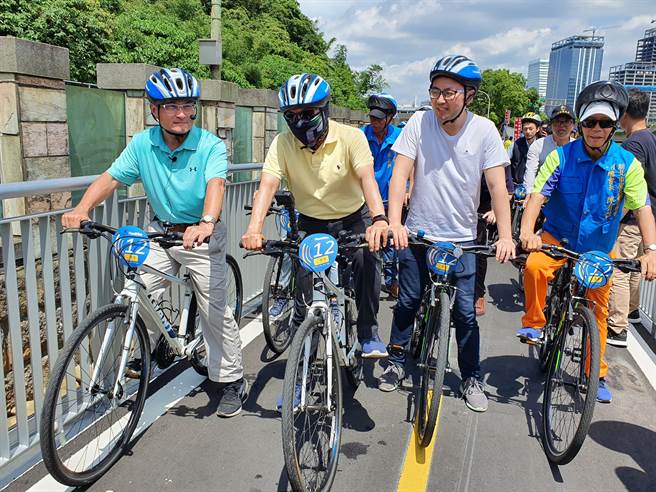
{"points": [[589, 183]]}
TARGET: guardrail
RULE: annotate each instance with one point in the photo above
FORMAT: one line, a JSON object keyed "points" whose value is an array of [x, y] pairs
{"points": [[50, 282]]}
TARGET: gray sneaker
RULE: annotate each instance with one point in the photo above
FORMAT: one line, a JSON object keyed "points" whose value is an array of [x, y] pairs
{"points": [[390, 379], [473, 392]]}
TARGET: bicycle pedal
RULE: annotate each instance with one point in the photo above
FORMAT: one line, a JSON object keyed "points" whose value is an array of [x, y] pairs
{"points": [[530, 341]]}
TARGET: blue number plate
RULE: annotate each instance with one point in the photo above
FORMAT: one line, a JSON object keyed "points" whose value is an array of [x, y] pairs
{"points": [[520, 192], [441, 256], [318, 252], [131, 246], [593, 269]]}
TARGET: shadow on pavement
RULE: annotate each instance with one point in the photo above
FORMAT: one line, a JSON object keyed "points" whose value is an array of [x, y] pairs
{"points": [[636, 441], [506, 298]]}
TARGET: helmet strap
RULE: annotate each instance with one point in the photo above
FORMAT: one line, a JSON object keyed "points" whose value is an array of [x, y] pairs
{"points": [[180, 136], [464, 106]]}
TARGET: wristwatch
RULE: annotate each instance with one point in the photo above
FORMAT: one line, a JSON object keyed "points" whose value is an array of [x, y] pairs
{"points": [[650, 247], [209, 219]]}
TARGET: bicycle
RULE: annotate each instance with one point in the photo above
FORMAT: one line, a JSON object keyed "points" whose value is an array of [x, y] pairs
{"points": [[569, 350], [517, 212], [429, 342], [280, 279], [91, 406], [320, 350]]}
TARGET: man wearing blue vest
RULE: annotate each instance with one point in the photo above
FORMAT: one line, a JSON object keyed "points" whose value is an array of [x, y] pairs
{"points": [[589, 183], [183, 170], [381, 135]]}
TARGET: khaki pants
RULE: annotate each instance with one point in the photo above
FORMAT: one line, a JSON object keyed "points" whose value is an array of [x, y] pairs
{"points": [[206, 265], [625, 291]]}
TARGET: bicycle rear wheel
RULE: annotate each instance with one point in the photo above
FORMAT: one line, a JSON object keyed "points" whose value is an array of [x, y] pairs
{"points": [[311, 430], [85, 428], [571, 389], [278, 289], [433, 366], [355, 368], [234, 289]]}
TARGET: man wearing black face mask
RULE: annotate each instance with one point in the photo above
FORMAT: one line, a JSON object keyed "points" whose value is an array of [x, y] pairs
{"points": [[329, 168]]}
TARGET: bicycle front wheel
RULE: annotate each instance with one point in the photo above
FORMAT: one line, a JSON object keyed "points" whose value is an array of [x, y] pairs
{"points": [[86, 423], [571, 387], [278, 303], [433, 366], [234, 290], [311, 412]]}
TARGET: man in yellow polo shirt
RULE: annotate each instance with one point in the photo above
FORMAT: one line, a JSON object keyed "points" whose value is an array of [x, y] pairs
{"points": [[329, 169]]}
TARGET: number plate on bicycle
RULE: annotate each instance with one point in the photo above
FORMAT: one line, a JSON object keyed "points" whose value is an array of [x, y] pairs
{"points": [[593, 269], [520, 192], [131, 246], [441, 256], [318, 252], [283, 222]]}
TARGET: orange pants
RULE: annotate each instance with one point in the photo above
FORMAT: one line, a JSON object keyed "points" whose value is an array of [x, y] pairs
{"points": [[540, 269]]}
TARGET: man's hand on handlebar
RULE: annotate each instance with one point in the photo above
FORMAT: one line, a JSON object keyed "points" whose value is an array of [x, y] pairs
{"points": [[72, 219], [530, 241], [252, 240], [196, 235], [505, 250], [377, 235]]}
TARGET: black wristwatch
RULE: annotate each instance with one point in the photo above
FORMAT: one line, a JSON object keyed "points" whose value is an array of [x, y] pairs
{"points": [[380, 217]]}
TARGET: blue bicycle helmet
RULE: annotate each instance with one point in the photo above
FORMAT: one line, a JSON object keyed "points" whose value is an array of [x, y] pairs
{"points": [[458, 67], [169, 84], [306, 90], [384, 102]]}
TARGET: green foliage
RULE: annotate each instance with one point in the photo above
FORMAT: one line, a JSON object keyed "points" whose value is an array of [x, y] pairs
{"points": [[507, 91], [82, 26]]}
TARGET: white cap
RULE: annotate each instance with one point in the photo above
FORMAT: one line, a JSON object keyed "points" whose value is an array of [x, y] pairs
{"points": [[599, 107]]}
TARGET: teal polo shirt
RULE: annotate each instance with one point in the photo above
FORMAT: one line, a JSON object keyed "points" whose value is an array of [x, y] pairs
{"points": [[174, 180]]}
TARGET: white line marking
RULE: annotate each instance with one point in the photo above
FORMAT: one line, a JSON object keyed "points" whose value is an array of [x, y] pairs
{"points": [[157, 404]]}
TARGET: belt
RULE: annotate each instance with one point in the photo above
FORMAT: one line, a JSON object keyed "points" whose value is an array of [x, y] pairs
{"points": [[174, 227]]}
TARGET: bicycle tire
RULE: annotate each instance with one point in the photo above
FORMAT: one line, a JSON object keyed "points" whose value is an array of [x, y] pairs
{"points": [[552, 316], [276, 344], [49, 434], [430, 391], [312, 326], [235, 304], [354, 372], [589, 332]]}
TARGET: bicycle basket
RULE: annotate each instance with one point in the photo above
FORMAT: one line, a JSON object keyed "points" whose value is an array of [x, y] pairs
{"points": [[130, 246], [593, 269], [317, 252], [441, 256], [520, 192]]}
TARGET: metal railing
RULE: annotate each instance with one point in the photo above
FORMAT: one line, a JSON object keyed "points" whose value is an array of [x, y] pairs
{"points": [[51, 281]]}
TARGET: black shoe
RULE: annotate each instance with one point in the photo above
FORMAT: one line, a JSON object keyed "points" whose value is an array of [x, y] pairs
{"points": [[634, 316], [234, 394], [617, 340], [133, 369]]}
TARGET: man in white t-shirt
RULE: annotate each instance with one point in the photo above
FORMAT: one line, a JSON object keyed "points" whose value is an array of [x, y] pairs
{"points": [[450, 149], [562, 123]]}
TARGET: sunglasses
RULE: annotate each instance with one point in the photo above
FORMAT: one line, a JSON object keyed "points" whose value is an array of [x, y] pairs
{"points": [[307, 114], [602, 123]]}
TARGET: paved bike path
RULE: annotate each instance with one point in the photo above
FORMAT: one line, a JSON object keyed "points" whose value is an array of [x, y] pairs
{"points": [[189, 448]]}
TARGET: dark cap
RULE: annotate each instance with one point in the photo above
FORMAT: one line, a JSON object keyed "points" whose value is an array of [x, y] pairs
{"points": [[563, 110], [378, 113]]}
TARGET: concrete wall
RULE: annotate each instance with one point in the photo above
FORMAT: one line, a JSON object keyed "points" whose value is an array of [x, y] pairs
{"points": [[34, 134]]}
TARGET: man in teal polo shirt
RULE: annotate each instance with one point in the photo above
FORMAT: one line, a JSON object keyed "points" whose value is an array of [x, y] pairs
{"points": [[381, 135], [183, 170]]}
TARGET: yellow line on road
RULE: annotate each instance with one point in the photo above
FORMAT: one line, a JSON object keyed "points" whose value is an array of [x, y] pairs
{"points": [[417, 464]]}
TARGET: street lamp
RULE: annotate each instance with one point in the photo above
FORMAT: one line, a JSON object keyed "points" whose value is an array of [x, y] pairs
{"points": [[488, 101]]}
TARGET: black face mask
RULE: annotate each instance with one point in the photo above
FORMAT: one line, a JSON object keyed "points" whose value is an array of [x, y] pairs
{"points": [[311, 131]]}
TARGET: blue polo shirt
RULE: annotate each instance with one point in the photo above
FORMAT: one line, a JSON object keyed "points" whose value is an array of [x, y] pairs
{"points": [[174, 180], [383, 156]]}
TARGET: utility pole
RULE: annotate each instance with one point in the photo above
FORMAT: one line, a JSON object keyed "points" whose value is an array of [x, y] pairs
{"points": [[215, 33]]}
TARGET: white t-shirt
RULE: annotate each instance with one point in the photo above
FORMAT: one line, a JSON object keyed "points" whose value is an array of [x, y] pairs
{"points": [[537, 154], [448, 172]]}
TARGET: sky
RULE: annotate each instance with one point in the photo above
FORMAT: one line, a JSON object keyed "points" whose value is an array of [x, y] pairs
{"points": [[405, 37]]}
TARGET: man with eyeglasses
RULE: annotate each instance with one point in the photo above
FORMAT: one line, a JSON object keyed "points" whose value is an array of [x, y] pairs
{"points": [[589, 183], [329, 169], [183, 170], [450, 149]]}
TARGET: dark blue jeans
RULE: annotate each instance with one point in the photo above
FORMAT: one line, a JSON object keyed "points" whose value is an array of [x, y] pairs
{"points": [[413, 280]]}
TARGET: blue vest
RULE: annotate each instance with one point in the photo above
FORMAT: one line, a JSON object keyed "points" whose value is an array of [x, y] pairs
{"points": [[383, 156], [586, 205]]}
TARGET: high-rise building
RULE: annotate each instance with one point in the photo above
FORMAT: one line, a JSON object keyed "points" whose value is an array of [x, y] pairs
{"points": [[538, 71], [641, 74], [574, 62]]}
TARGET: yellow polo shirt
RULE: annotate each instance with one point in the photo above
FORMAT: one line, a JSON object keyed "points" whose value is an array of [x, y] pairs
{"points": [[324, 183]]}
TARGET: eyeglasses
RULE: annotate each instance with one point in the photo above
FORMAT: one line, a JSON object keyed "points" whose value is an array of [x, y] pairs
{"points": [[173, 109], [602, 123], [448, 94], [306, 114]]}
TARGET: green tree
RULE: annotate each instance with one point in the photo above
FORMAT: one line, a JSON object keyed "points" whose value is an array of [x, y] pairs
{"points": [[507, 91]]}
